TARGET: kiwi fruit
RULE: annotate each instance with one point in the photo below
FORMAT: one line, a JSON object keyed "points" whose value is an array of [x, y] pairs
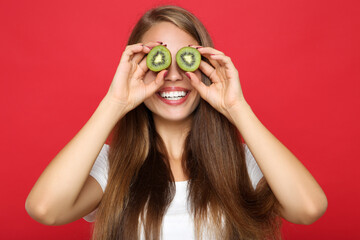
{"points": [[159, 58], [188, 59]]}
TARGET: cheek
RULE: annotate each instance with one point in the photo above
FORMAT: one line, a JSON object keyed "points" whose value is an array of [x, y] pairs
{"points": [[149, 103], [198, 97]]}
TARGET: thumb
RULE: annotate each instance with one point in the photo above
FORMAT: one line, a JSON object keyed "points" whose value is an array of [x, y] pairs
{"points": [[198, 84], [152, 87]]}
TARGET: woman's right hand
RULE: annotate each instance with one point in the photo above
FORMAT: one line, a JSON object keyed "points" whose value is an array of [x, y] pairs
{"points": [[128, 89]]}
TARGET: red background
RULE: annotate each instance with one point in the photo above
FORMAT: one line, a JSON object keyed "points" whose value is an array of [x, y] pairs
{"points": [[299, 69]]}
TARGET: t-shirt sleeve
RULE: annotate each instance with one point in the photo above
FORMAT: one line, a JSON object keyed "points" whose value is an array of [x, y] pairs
{"points": [[99, 171], [254, 171], [100, 168]]}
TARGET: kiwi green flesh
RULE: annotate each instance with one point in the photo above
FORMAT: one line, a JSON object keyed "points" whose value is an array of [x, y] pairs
{"points": [[159, 58], [188, 59]]}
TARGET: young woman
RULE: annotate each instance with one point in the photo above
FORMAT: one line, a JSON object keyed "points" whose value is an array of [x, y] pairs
{"points": [[176, 169]]}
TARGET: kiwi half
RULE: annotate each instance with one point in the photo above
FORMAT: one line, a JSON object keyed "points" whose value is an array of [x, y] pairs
{"points": [[159, 58], [188, 59]]}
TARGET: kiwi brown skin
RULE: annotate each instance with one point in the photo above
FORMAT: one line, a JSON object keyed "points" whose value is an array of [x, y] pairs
{"points": [[158, 59], [188, 59]]}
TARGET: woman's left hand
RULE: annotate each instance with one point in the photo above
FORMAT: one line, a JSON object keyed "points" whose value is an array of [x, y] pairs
{"points": [[225, 93]]}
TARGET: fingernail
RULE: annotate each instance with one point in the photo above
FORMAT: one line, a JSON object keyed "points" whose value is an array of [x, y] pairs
{"points": [[189, 45], [198, 47], [165, 73], [165, 45], [148, 47], [188, 75], [159, 42]]}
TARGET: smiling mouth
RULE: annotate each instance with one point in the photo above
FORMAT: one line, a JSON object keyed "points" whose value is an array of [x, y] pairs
{"points": [[173, 95]]}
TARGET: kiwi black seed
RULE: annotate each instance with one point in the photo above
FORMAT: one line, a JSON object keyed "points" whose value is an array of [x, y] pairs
{"points": [[159, 58], [188, 59]]}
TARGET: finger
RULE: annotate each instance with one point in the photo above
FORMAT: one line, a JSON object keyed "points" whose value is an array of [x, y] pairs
{"points": [[226, 62], [139, 56], [207, 50], [146, 49], [152, 87], [130, 50], [143, 66], [152, 44], [209, 71], [198, 85]]}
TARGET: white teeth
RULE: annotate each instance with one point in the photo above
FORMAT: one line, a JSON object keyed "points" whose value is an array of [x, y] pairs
{"points": [[173, 95]]}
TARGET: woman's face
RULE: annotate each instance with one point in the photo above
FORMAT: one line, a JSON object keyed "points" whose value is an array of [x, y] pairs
{"points": [[176, 81]]}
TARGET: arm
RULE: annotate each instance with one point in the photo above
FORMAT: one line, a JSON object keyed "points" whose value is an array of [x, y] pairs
{"points": [[65, 192], [55, 193], [301, 198]]}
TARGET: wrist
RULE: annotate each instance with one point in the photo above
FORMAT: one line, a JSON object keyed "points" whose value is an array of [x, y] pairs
{"points": [[240, 106], [240, 109], [112, 107]]}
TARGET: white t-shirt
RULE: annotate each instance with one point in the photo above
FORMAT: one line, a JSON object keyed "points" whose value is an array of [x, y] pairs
{"points": [[177, 222]]}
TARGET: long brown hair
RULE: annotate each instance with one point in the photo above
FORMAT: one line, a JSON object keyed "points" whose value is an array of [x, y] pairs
{"points": [[141, 185]]}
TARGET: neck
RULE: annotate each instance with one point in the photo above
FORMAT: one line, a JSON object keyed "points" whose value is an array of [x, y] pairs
{"points": [[173, 134]]}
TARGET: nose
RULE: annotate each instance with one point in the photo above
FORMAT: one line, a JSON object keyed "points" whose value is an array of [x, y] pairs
{"points": [[174, 72]]}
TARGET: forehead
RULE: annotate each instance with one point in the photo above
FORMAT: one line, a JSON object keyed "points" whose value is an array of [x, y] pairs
{"points": [[169, 34]]}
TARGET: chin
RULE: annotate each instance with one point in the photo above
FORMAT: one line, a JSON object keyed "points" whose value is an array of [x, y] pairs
{"points": [[173, 116], [179, 113]]}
